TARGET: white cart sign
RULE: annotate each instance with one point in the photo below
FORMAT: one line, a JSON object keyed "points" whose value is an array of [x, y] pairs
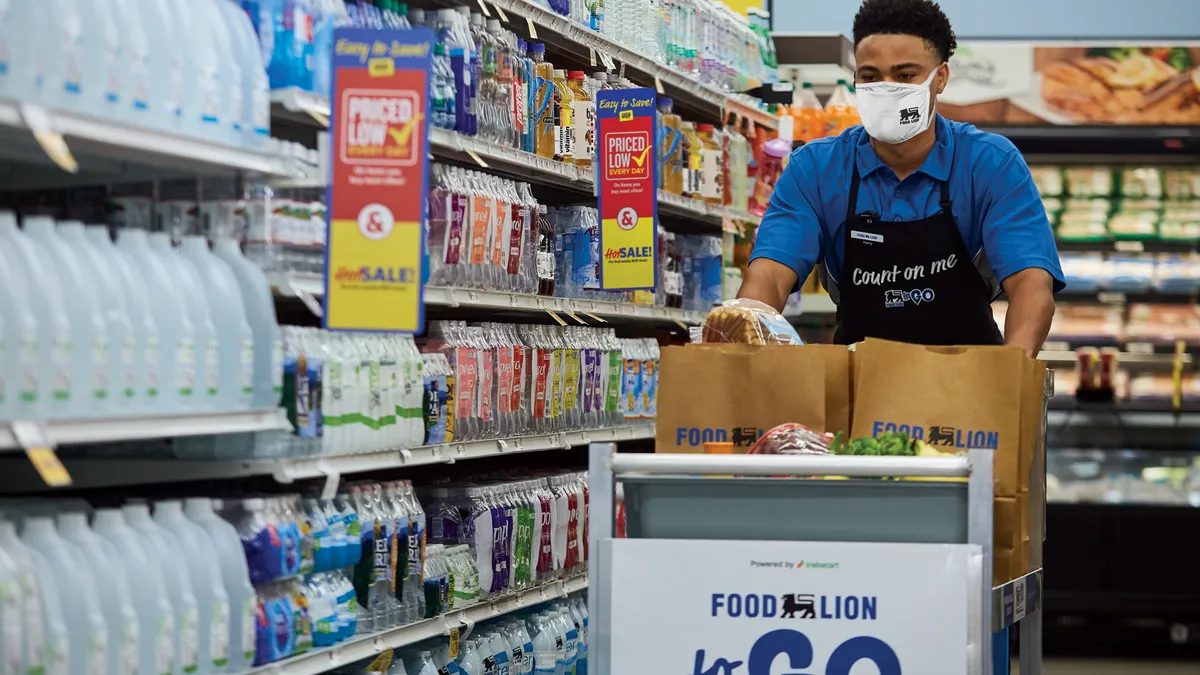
{"points": [[792, 608]]}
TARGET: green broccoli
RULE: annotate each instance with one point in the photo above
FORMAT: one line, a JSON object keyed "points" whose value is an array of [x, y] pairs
{"points": [[865, 446]]}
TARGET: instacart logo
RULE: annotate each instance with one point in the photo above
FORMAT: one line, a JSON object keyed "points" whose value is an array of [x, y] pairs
{"points": [[814, 565]]}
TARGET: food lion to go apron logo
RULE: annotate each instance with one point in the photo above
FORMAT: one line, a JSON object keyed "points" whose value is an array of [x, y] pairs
{"points": [[380, 127], [627, 155]]}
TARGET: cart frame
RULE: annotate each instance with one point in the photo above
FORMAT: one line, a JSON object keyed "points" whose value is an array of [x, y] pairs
{"points": [[706, 476]]}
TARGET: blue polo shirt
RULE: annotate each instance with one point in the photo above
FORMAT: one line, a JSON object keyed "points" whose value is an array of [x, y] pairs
{"points": [[995, 202]]}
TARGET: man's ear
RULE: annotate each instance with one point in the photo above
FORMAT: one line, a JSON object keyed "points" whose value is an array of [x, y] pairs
{"points": [[943, 77]]}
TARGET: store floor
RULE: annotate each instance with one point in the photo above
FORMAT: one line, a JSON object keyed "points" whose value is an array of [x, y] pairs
{"points": [[1114, 667]]}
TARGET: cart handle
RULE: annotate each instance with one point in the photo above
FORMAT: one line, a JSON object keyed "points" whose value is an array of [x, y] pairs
{"points": [[792, 465]]}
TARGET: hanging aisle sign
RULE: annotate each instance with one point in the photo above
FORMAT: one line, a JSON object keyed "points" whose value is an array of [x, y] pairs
{"points": [[627, 192], [817, 608], [377, 194]]}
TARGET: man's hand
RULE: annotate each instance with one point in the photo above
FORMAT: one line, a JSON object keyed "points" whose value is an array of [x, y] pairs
{"points": [[1030, 308], [769, 282]]}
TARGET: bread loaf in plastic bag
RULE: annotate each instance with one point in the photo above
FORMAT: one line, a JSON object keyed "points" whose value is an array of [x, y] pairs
{"points": [[750, 322]]}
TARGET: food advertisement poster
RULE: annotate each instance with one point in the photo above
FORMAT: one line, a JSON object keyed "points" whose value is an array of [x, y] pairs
{"points": [[373, 275], [627, 191], [818, 608], [1016, 83]]}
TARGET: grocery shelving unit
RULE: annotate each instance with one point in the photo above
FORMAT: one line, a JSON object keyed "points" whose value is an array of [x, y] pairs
{"points": [[721, 498]]}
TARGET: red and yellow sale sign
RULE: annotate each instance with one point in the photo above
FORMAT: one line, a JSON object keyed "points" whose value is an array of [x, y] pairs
{"points": [[628, 191], [375, 240]]}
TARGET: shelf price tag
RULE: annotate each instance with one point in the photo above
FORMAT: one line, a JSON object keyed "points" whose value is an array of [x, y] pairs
{"points": [[38, 121], [484, 8], [593, 316], [454, 638], [500, 12], [532, 28], [575, 316], [332, 480], [556, 317], [380, 186], [475, 156], [40, 451]]}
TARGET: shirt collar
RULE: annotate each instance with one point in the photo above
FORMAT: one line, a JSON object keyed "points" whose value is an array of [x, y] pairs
{"points": [[936, 166]]}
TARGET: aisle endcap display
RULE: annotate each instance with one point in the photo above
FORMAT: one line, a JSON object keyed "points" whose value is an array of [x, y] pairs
{"points": [[364, 647], [148, 146], [147, 427]]}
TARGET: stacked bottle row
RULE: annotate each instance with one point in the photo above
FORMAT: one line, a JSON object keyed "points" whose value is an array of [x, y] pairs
{"points": [[702, 38], [285, 229], [703, 161], [510, 380], [327, 570], [545, 640], [164, 594], [811, 120], [520, 533], [131, 327], [185, 67]]}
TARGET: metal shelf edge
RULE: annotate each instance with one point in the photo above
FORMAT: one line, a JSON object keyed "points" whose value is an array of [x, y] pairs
{"points": [[452, 452], [115, 429]]}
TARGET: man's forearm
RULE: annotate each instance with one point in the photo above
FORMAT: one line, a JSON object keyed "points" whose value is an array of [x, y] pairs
{"points": [[1030, 311], [768, 282]]}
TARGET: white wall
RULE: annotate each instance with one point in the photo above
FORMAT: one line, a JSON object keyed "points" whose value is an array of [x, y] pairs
{"points": [[1019, 19]]}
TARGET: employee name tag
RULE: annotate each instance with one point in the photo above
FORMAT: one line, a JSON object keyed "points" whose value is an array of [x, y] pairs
{"points": [[866, 236]]}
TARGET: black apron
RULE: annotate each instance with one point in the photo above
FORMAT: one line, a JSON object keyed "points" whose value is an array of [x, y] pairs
{"points": [[911, 281]]}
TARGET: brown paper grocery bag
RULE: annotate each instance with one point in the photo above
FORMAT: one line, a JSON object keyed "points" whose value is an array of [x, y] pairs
{"points": [[734, 393], [961, 397]]}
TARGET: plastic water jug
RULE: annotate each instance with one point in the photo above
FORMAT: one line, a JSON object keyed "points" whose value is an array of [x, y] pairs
{"points": [[212, 601], [113, 590], [260, 311], [115, 312], [87, 631], [179, 586], [90, 388], [45, 633], [234, 338], [54, 326], [156, 619], [243, 600], [176, 335], [208, 394]]}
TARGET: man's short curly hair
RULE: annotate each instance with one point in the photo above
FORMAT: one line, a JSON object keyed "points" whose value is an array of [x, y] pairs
{"points": [[922, 18]]}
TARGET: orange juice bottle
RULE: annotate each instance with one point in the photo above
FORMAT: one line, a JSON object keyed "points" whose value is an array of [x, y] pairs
{"points": [[840, 111], [543, 105], [564, 118], [808, 114], [693, 162]]}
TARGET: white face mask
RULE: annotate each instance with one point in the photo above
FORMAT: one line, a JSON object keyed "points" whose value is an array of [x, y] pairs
{"points": [[893, 112]]}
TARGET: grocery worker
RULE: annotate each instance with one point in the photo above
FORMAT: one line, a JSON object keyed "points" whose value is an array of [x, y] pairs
{"points": [[916, 221]]}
